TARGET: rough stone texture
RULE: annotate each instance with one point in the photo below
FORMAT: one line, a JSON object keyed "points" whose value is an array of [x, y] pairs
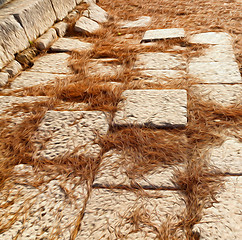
{"points": [[216, 53], [114, 171], [228, 157], [30, 79], [158, 108], [52, 63], [160, 61], [61, 28], [215, 72], [158, 34], [3, 79], [70, 44], [46, 39], [49, 209], [107, 213], [27, 56], [86, 25], [13, 68], [68, 130], [224, 94], [223, 220], [96, 13], [12, 39], [62, 7], [143, 21], [221, 38]]}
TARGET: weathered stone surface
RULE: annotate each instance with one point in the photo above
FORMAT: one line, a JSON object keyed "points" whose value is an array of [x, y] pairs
{"points": [[215, 72], [211, 38], [3, 78], [143, 21], [160, 61], [86, 25], [30, 79], [61, 28], [47, 209], [62, 7], [13, 68], [115, 170], [223, 219], [52, 63], [109, 213], [224, 94], [216, 53], [159, 34], [70, 44], [12, 39], [46, 39], [228, 157], [96, 13], [158, 108], [2, 2], [68, 130]]}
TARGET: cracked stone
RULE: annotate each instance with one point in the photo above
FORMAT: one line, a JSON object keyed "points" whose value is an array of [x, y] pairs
{"points": [[62, 7], [46, 39], [96, 13], [157, 108], [86, 25], [61, 28], [13, 68]]}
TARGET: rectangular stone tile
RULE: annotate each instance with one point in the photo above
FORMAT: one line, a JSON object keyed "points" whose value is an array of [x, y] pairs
{"points": [[67, 130], [110, 214], [224, 94], [86, 25], [52, 63], [114, 171], [96, 13], [158, 34], [223, 220], [215, 72], [159, 61], [62, 7], [154, 108], [143, 21]]}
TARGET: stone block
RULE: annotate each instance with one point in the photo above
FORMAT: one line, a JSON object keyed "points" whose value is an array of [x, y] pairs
{"points": [[215, 72], [96, 13], [61, 28], [153, 108], [30, 79], [109, 213], [221, 38], [86, 25], [27, 56], [46, 39], [158, 34], [224, 94], [223, 219], [160, 61], [70, 44], [62, 7], [52, 63], [13, 68], [3, 78], [68, 130], [143, 21]]}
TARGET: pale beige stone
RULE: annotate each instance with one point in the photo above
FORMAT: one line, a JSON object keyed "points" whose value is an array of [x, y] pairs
{"points": [[143, 21], [3, 78], [86, 25], [13, 68], [62, 7], [96, 13], [46, 39], [61, 28]]}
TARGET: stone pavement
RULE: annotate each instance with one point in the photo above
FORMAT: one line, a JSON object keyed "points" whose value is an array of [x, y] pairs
{"points": [[114, 202]]}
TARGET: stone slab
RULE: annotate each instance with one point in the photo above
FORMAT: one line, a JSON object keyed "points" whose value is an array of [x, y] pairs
{"points": [[114, 172], [86, 25], [50, 208], [30, 79], [62, 7], [143, 21], [224, 94], [46, 39], [160, 61], [223, 220], [221, 38], [52, 63], [154, 108], [109, 214], [13, 68], [159, 34], [96, 13], [215, 72], [228, 157], [3, 79], [68, 130], [61, 28], [70, 44]]}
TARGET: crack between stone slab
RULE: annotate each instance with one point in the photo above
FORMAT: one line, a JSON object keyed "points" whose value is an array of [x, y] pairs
{"points": [[16, 17], [53, 10]]}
